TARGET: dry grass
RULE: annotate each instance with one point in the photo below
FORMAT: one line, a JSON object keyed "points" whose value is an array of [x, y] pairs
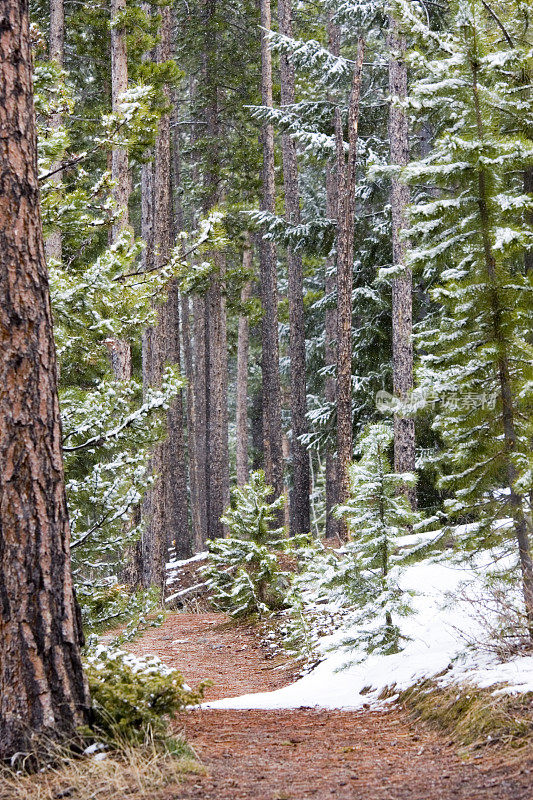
{"points": [[134, 773], [474, 717]]}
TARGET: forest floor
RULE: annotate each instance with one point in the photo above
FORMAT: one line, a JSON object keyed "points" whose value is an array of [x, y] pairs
{"points": [[310, 754]]}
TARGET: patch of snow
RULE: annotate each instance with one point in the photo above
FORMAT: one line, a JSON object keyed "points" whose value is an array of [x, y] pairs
{"points": [[187, 590], [197, 557], [437, 630], [94, 748]]}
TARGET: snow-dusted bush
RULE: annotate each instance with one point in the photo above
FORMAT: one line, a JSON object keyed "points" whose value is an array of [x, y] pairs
{"points": [[243, 570], [378, 514], [134, 698]]}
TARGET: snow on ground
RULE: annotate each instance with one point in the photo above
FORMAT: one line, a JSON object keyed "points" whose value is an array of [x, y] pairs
{"points": [[438, 631], [173, 567]]}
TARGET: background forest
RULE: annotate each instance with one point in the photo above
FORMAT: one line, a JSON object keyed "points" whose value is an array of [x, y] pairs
{"points": [[285, 239]]}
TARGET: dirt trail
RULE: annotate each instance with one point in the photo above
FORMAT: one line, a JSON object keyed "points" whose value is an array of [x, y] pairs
{"points": [[310, 754]]}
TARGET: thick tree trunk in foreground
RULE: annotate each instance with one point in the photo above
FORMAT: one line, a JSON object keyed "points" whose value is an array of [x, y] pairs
{"points": [[402, 286], [300, 509], [330, 354], [243, 340], [53, 245], [345, 250], [273, 453], [43, 692]]}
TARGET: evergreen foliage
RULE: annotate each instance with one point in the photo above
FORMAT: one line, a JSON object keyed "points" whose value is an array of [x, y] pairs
{"points": [[378, 514], [469, 237], [243, 570], [135, 699]]}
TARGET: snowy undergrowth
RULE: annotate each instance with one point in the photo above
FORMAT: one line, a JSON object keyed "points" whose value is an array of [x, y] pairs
{"points": [[444, 636]]}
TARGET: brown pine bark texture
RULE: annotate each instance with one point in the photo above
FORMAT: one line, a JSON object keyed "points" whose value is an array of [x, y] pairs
{"points": [[332, 201], [299, 505], [54, 245], [119, 85], [402, 286], [165, 510], [42, 687], [345, 255], [272, 436], [243, 341]]}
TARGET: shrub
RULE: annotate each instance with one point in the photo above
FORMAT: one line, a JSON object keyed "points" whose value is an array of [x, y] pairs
{"points": [[243, 570], [133, 698]]}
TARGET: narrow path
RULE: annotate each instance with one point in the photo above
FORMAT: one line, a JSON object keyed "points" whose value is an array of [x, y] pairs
{"points": [[310, 754]]}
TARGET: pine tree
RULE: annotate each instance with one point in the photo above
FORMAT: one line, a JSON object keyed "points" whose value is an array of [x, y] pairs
{"points": [[299, 498], [272, 431], [43, 692], [346, 170], [378, 514], [243, 570], [472, 237], [57, 46], [402, 301]]}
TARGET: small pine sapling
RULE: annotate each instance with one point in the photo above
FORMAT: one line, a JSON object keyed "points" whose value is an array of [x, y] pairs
{"points": [[378, 514], [243, 570]]}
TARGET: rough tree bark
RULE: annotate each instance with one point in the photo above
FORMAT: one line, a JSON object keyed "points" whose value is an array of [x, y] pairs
{"points": [[256, 426], [218, 495], [528, 189], [332, 524], [217, 448], [273, 453], [345, 254], [402, 285], [200, 416], [300, 509], [43, 692], [119, 85], [193, 333], [167, 512], [186, 338], [53, 245], [119, 350], [243, 340]]}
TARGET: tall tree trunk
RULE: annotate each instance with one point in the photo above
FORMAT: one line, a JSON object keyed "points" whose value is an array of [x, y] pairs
{"points": [[43, 692], [256, 425], [402, 285], [528, 189], [187, 347], [330, 354], [243, 340], [53, 245], [119, 350], [193, 333], [522, 522], [217, 443], [216, 325], [300, 509], [181, 537], [119, 85], [273, 453], [345, 255], [168, 520], [200, 415]]}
